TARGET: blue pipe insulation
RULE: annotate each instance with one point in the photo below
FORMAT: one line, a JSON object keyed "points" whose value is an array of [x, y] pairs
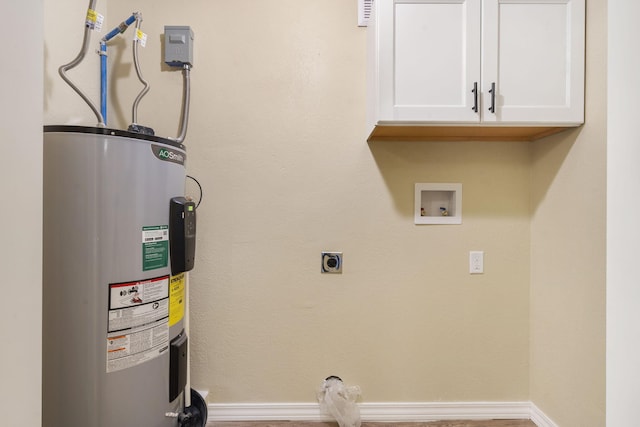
{"points": [[120, 28], [103, 80], [103, 61]]}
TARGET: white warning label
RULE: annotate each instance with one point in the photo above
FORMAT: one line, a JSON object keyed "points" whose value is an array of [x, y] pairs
{"points": [[125, 351], [138, 328]]}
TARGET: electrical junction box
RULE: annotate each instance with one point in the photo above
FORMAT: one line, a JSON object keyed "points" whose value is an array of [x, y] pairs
{"points": [[178, 45]]}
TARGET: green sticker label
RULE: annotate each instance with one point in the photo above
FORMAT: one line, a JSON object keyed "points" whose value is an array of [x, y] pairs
{"points": [[155, 247]]}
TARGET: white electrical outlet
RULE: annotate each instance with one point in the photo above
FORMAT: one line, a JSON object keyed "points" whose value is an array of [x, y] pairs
{"points": [[476, 262]]}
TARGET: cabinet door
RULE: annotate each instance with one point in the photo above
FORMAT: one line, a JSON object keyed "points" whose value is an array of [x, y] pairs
{"points": [[429, 59], [533, 50]]}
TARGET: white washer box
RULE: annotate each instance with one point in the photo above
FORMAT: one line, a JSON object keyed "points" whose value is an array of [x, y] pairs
{"points": [[438, 203]]}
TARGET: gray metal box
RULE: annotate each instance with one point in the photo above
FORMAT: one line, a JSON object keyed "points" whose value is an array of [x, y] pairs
{"points": [[178, 45]]}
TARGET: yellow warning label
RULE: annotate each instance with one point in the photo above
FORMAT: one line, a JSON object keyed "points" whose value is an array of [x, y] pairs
{"points": [[92, 16], [176, 298]]}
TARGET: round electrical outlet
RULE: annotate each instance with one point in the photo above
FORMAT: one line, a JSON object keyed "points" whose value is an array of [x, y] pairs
{"points": [[331, 262]]}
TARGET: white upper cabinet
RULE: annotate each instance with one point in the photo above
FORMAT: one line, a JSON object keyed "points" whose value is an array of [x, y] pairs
{"points": [[476, 62], [533, 50], [429, 59]]}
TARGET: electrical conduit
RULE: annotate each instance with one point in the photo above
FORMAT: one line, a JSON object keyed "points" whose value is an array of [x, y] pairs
{"points": [[185, 104]]}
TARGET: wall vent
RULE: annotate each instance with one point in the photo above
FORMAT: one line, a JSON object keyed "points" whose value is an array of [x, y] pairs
{"points": [[364, 12]]}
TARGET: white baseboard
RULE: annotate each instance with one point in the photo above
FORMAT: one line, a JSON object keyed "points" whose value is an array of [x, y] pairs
{"points": [[540, 418], [382, 412]]}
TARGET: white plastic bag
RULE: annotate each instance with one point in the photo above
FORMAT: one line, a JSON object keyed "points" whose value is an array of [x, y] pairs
{"points": [[339, 401]]}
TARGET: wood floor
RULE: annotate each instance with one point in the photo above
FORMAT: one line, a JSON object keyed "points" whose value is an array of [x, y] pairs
{"points": [[461, 423]]}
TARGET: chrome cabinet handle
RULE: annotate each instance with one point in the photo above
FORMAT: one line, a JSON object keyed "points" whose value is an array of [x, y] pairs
{"points": [[492, 108], [475, 97]]}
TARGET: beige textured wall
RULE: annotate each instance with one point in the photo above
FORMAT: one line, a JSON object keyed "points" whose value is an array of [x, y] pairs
{"points": [[568, 255], [277, 139]]}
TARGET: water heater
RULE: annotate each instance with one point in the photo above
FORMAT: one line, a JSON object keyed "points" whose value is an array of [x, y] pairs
{"points": [[118, 237]]}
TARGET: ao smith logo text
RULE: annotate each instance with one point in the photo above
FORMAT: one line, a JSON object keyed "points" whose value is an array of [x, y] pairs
{"points": [[168, 155]]}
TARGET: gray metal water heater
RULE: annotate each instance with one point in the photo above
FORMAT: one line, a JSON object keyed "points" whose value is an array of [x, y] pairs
{"points": [[114, 346]]}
